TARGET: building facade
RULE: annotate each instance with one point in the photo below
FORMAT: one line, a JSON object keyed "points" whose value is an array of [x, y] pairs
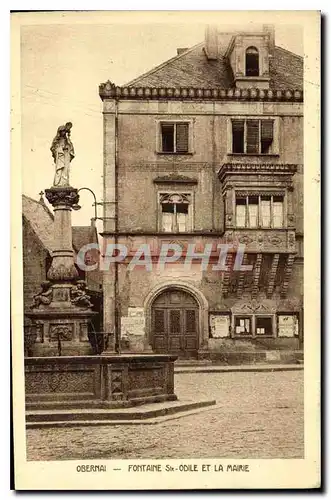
{"points": [[202, 153]]}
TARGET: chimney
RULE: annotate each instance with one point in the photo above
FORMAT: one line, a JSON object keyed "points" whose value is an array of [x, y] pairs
{"points": [[211, 42], [270, 29], [181, 50]]}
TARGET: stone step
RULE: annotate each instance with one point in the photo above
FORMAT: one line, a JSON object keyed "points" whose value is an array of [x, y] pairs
{"points": [[193, 362], [144, 412], [258, 367]]}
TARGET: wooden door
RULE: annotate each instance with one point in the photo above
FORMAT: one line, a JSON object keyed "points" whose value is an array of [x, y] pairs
{"points": [[175, 324]]}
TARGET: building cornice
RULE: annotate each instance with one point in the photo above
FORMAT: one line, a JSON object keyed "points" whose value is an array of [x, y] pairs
{"points": [[109, 90], [175, 179], [256, 168]]}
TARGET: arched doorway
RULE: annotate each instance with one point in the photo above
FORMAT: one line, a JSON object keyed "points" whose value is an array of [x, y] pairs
{"points": [[175, 324]]}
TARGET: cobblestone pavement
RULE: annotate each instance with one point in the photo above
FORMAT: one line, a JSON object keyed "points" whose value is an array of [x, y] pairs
{"points": [[261, 417]]}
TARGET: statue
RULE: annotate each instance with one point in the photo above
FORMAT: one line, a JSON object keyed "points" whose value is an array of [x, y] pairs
{"points": [[79, 296], [44, 297], [63, 152]]}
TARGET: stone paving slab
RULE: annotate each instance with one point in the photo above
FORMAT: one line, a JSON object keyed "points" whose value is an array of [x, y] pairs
{"points": [[257, 416]]}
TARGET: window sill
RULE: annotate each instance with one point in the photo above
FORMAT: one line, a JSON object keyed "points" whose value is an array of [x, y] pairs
{"points": [[254, 337], [240, 228], [166, 153], [272, 155]]}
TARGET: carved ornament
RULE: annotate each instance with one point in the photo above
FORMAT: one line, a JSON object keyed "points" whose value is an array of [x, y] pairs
{"points": [[62, 196]]}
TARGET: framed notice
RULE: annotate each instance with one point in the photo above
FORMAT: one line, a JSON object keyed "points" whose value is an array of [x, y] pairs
{"points": [[287, 325], [220, 325]]}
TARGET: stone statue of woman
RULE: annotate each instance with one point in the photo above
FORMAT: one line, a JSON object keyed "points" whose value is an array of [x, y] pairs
{"points": [[63, 152]]}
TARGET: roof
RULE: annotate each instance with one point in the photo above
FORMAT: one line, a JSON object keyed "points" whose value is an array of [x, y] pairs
{"points": [[41, 220], [286, 70], [81, 235], [191, 68]]}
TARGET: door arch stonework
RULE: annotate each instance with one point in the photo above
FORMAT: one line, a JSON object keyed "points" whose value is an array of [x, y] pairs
{"points": [[203, 327]]}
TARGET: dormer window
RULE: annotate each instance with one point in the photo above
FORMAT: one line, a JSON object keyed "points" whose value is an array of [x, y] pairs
{"points": [[252, 62]]}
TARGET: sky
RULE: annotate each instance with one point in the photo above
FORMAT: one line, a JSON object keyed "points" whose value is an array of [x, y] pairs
{"points": [[62, 66]]}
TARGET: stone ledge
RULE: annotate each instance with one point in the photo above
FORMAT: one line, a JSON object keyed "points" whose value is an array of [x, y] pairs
{"points": [[101, 359], [149, 413]]}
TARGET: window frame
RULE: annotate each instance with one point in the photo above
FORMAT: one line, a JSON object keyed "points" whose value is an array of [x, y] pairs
{"points": [[259, 225], [257, 54], [274, 150], [190, 196], [244, 317], [264, 335], [253, 318], [175, 122], [296, 329]]}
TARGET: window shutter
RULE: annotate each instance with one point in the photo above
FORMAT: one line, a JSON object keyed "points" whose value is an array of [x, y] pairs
{"points": [[167, 222], [278, 213], [267, 130], [181, 222], [182, 137], [265, 212], [252, 136], [252, 214], [241, 215]]}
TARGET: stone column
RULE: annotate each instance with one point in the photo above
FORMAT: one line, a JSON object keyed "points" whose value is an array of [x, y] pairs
{"points": [[62, 271]]}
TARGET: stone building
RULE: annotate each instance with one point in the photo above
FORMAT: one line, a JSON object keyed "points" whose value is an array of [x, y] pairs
{"points": [[207, 149], [38, 234]]}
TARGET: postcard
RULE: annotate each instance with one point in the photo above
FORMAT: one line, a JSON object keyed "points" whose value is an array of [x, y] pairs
{"points": [[166, 307]]}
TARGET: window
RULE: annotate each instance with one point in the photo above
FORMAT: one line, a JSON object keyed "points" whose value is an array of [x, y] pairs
{"points": [[175, 213], [260, 211], [252, 136], [263, 325], [243, 325], [253, 326], [252, 62], [175, 137]]}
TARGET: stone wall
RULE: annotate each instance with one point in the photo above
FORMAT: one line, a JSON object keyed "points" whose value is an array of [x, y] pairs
{"points": [[34, 263]]}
